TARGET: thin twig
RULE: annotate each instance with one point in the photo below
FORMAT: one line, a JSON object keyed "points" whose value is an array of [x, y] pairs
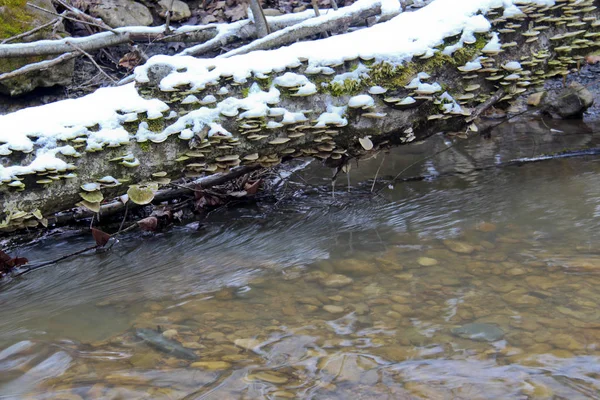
{"points": [[77, 12], [73, 19], [45, 264], [168, 19], [260, 21], [377, 173], [124, 218], [88, 55], [30, 32], [315, 5], [415, 163]]}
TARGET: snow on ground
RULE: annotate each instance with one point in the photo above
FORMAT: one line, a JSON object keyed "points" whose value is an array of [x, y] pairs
{"points": [[395, 41]]}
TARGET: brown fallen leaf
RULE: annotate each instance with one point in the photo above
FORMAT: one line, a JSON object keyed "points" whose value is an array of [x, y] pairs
{"points": [[100, 237], [148, 224], [252, 187], [4, 258], [237, 13], [130, 60], [592, 59]]}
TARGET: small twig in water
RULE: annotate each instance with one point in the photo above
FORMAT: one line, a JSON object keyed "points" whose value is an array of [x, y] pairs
{"points": [[45, 264], [377, 173]]}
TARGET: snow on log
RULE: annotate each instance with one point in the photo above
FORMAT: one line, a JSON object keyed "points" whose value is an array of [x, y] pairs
{"points": [[333, 99]]}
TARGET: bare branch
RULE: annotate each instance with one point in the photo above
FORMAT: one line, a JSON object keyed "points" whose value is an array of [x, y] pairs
{"points": [[168, 20], [262, 27], [104, 27], [93, 62], [329, 22], [39, 66]]}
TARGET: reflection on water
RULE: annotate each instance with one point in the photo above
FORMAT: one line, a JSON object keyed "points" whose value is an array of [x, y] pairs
{"points": [[475, 285]]}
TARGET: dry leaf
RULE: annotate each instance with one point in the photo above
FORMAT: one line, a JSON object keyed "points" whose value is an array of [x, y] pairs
{"points": [[236, 13], [252, 188], [592, 59], [148, 224], [100, 237], [4, 258], [130, 60]]}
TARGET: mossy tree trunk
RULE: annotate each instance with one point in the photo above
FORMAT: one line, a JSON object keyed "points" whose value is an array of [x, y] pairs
{"points": [[543, 40]]}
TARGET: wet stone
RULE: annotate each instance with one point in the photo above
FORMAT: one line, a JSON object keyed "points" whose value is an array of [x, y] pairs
{"points": [[355, 267], [427, 261], [248, 344], [211, 365], [459, 247], [479, 332], [336, 281], [333, 309], [310, 300], [486, 227], [268, 377], [170, 333], [373, 290]]}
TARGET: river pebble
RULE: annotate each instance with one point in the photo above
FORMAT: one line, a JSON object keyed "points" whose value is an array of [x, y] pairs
{"points": [[336, 281], [479, 332], [459, 247]]}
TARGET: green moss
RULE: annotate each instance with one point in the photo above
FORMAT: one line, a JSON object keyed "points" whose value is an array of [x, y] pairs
{"points": [[265, 84], [11, 64], [390, 76], [14, 18], [433, 64], [347, 87], [155, 125], [245, 91], [145, 146], [469, 51]]}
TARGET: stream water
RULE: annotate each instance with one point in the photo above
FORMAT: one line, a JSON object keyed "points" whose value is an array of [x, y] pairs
{"points": [[471, 285]]}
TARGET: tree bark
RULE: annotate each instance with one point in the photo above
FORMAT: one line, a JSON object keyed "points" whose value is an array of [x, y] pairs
{"points": [[267, 141]]}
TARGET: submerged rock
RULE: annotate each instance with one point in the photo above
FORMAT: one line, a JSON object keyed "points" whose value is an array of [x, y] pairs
{"points": [[459, 247], [336, 281], [211, 365], [159, 342], [479, 332], [570, 102], [355, 267], [427, 261]]}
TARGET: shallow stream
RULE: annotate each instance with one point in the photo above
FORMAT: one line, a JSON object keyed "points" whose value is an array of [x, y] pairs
{"points": [[465, 285]]}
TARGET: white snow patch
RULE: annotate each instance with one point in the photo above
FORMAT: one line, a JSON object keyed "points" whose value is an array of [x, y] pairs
{"points": [[333, 116], [414, 33], [493, 44], [512, 66], [361, 101]]}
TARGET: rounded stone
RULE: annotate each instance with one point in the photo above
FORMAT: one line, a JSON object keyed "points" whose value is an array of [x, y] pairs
{"points": [[459, 247], [427, 261], [336, 281], [479, 332], [211, 365], [170, 333], [333, 309]]}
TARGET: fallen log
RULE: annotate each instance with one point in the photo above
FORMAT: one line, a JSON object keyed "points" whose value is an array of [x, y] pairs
{"points": [[335, 99]]}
